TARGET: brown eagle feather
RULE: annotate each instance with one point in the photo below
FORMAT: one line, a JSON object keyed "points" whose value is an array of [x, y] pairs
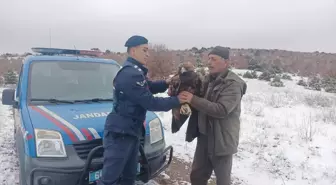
{"points": [[186, 79]]}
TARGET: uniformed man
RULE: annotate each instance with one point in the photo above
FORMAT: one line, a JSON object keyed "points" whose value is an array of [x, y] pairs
{"points": [[133, 96]]}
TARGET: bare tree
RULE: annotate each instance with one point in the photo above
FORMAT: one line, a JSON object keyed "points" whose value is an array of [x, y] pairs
{"points": [[160, 62]]}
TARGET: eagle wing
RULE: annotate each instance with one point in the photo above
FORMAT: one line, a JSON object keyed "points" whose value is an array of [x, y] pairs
{"points": [[187, 81]]}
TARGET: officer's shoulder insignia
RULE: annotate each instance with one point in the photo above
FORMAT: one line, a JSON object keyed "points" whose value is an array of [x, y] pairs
{"points": [[136, 67], [141, 83]]}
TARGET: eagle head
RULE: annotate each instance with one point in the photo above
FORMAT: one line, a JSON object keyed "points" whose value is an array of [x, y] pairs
{"points": [[185, 67]]}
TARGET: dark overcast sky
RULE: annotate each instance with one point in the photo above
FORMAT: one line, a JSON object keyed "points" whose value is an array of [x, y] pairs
{"points": [[301, 25]]}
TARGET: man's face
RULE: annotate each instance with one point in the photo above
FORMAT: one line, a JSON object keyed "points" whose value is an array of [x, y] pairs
{"points": [[217, 64], [140, 53]]}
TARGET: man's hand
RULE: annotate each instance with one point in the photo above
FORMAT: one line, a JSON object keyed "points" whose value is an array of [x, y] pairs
{"points": [[185, 97]]}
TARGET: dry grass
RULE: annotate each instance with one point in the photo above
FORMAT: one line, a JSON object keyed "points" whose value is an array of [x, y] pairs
{"points": [[319, 100], [307, 129], [329, 115], [275, 101]]}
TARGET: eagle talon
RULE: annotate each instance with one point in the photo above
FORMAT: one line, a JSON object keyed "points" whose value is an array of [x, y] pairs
{"points": [[185, 109]]}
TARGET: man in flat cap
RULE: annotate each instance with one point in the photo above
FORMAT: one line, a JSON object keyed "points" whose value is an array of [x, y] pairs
{"points": [[133, 96], [219, 108]]}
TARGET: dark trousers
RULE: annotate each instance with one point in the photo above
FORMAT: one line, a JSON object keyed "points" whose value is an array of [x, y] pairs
{"points": [[120, 159], [204, 164]]}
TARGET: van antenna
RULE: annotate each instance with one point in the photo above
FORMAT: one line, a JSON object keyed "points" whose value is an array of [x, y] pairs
{"points": [[50, 37], [76, 52]]}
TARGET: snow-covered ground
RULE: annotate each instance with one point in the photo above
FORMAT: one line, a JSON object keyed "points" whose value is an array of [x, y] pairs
{"points": [[288, 136], [8, 162]]}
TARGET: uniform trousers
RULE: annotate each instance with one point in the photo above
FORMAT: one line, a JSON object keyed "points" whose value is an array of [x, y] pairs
{"points": [[120, 159]]}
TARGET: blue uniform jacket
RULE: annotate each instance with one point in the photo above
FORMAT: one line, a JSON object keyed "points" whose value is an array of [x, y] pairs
{"points": [[133, 96]]}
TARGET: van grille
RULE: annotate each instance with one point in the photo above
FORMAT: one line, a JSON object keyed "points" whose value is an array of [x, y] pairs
{"points": [[83, 148]]}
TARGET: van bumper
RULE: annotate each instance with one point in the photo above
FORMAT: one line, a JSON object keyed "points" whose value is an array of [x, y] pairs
{"points": [[153, 166], [60, 172]]}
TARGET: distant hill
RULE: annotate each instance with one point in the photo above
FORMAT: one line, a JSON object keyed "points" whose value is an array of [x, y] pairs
{"points": [[302, 63]]}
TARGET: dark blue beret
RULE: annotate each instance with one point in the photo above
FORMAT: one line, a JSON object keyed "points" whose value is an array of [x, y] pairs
{"points": [[136, 40]]}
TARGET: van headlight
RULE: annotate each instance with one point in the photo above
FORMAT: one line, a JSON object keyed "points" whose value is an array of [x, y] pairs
{"points": [[155, 130], [49, 143]]}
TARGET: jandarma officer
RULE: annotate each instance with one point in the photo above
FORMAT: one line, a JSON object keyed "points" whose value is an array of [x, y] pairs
{"points": [[133, 96]]}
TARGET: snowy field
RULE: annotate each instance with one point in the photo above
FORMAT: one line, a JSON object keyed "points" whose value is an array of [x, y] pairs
{"points": [[288, 137]]}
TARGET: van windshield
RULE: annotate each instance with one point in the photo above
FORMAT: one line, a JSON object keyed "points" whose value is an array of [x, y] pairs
{"points": [[69, 81]]}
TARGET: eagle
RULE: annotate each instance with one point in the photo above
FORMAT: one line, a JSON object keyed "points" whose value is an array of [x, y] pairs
{"points": [[186, 79]]}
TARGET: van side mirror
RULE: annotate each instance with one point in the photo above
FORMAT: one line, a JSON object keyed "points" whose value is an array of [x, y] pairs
{"points": [[8, 97]]}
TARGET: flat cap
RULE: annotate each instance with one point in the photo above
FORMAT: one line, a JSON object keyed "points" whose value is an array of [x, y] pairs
{"points": [[136, 40], [220, 51]]}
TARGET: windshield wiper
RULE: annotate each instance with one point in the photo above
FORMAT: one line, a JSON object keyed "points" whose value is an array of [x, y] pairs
{"points": [[94, 100], [51, 100]]}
